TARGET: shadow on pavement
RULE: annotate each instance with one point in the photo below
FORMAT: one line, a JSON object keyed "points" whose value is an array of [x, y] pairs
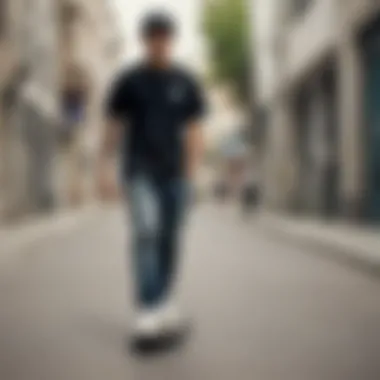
{"points": [[162, 345]]}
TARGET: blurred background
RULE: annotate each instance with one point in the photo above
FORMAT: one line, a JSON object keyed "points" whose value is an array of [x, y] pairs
{"points": [[291, 88], [55, 80], [292, 145]]}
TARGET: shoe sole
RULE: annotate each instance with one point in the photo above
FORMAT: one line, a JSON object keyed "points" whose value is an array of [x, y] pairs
{"points": [[167, 340]]}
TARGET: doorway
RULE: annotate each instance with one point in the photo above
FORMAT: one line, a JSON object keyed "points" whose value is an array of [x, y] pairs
{"points": [[371, 47], [316, 137]]}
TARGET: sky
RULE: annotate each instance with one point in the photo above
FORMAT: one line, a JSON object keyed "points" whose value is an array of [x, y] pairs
{"points": [[190, 45]]}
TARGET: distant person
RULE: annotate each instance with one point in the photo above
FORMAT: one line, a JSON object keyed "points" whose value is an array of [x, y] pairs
{"points": [[249, 193], [155, 109]]}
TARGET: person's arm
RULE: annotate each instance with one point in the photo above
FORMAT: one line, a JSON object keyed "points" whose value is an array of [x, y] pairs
{"points": [[194, 131], [194, 148]]}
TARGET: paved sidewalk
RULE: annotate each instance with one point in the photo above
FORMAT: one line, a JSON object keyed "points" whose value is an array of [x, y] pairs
{"points": [[354, 245], [14, 239], [262, 308]]}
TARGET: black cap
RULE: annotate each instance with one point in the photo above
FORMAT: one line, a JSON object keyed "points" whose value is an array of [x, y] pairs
{"points": [[157, 23]]}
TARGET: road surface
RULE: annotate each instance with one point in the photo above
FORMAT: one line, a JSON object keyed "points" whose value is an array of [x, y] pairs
{"points": [[264, 309]]}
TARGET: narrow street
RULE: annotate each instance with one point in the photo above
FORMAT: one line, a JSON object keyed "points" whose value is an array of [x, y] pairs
{"points": [[263, 309]]}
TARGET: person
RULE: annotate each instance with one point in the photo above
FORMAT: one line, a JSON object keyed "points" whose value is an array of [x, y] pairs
{"points": [[249, 192], [156, 109]]}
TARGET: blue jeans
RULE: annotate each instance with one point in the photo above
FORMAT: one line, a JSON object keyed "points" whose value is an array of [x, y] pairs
{"points": [[157, 210]]}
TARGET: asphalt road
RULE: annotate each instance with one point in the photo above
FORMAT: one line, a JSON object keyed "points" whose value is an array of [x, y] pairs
{"points": [[263, 309]]}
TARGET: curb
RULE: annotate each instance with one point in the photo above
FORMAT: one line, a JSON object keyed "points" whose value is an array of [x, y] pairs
{"points": [[358, 256], [16, 239]]}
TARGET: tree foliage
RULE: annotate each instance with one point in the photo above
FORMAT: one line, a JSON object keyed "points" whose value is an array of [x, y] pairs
{"points": [[226, 25]]}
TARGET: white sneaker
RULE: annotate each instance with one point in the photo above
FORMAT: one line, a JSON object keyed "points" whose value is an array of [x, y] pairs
{"points": [[149, 324], [173, 320]]}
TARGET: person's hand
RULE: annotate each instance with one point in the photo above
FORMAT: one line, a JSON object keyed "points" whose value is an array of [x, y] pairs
{"points": [[106, 184], [191, 172]]}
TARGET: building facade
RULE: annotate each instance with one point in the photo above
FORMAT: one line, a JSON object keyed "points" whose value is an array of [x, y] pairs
{"points": [[317, 85], [91, 47], [8, 90], [52, 82], [28, 109], [39, 108]]}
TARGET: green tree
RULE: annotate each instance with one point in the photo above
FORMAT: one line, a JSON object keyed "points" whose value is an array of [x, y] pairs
{"points": [[227, 27]]}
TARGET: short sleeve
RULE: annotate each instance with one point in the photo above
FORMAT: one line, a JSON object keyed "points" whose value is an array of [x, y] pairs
{"points": [[118, 98], [196, 105]]}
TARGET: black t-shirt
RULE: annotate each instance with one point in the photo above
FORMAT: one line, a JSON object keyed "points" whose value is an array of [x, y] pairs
{"points": [[155, 106]]}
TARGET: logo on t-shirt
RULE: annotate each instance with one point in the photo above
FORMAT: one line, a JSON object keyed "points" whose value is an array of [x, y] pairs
{"points": [[177, 93]]}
